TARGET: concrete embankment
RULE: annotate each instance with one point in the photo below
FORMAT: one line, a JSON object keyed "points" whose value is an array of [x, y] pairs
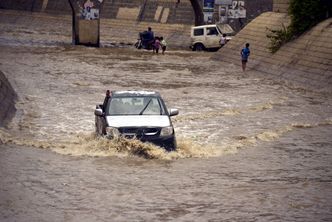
{"points": [[305, 62], [7, 100]]}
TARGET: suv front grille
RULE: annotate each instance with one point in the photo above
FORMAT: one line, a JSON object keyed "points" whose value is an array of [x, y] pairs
{"points": [[140, 133]]}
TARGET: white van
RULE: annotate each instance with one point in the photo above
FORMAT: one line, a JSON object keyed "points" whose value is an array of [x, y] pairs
{"points": [[207, 37]]}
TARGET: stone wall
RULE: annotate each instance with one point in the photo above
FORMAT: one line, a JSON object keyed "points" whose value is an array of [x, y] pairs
{"points": [[7, 100], [305, 62]]}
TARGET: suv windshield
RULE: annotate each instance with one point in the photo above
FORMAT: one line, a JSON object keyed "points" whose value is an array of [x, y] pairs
{"points": [[135, 106], [219, 29]]}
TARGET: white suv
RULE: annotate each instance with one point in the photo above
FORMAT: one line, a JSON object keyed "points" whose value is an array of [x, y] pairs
{"points": [[207, 37], [136, 114]]}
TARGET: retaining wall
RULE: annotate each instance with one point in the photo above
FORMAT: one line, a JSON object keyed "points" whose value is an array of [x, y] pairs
{"points": [[7, 101], [305, 62], [161, 11], [157, 11], [112, 31]]}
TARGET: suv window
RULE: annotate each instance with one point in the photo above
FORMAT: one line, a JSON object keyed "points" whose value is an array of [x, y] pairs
{"points": [[212, 31], [135, 106], [198, 32]]}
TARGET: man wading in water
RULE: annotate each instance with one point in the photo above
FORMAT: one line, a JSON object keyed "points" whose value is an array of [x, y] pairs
{"points": [[245, 52]]}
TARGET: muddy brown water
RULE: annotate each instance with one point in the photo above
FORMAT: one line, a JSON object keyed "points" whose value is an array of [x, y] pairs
{"points": [[250, 149]]}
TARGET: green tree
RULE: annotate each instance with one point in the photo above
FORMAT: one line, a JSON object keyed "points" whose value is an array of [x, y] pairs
{"points": [[307, 13], [304, 15]]}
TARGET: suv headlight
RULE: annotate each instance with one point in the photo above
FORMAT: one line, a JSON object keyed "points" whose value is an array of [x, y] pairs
{"points": [[166, 131], [112, 132]]}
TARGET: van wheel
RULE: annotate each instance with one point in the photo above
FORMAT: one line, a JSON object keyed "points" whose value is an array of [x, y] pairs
{"points": [[199, 47]]}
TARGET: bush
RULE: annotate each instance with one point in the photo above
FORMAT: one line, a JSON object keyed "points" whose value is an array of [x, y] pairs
{"points": [[304, 15], [278, 38]]}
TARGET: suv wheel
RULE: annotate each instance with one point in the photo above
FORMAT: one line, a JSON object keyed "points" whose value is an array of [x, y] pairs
{"points": [[199, 47]]}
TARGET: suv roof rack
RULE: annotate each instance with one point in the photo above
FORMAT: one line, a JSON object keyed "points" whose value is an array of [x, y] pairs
{"points": [[134, 93]]}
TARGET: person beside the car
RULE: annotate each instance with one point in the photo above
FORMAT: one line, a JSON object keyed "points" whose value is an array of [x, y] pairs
{"points": [[245, 52], [223, 40]]}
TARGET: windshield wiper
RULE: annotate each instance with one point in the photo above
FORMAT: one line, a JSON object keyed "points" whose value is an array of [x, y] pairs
{"points": [[146, 106], [161, 111]]}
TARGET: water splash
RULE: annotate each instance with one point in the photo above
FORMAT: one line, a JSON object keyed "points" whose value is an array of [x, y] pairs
{"points": [[92, 145]]}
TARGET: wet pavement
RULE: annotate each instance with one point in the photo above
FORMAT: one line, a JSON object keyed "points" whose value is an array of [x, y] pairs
{"points": [[250, 149]]}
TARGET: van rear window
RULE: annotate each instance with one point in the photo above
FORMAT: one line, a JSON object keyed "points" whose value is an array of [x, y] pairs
{"points": [[212, 31], [198, 32]]}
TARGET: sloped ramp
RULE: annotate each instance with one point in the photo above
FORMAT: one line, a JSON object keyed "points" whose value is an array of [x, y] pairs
{"points": [[305, 62]]}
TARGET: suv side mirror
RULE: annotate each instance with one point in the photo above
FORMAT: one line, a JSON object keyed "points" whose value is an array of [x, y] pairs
{"points": [[173, 112], [98, 112]]}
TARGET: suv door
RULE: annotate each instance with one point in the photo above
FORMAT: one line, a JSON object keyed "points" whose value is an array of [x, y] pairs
{"points": [[198, 35], [212, 37]]}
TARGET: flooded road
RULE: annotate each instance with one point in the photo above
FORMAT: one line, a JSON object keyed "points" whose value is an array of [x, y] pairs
{"points": [[287, 180], [250, 149]]}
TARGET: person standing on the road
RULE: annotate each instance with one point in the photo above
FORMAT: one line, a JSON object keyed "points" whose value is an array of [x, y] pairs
{"points": [[156, 45], [245, 52], [150, 35], [223, 40], [163, 44]]}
